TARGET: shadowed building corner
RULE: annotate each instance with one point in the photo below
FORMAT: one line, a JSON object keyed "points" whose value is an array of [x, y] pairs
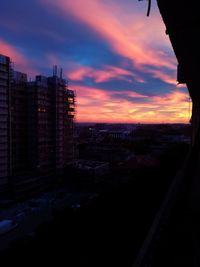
{"points": [[174, 238]]}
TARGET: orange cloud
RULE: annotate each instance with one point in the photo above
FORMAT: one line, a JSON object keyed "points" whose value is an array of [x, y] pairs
{"points": [[96, 105]]}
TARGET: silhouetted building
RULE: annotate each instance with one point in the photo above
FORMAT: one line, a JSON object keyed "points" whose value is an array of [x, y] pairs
{"points": [[63, 106], [57, 89], [21, 182], [51, 124], [40, 126], [69, 142], [5, 134], [88, 170], [36, 129], [111, 153], [19, 122]]}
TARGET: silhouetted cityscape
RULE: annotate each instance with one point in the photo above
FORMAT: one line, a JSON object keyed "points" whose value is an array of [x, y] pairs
{"points": [[63, 179], [99, 158]]}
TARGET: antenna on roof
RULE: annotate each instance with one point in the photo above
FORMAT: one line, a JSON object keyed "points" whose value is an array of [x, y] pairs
{"points": [[54, 70]]}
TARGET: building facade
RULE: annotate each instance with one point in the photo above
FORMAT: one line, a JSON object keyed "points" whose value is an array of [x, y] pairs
{"points": [[19, 122], [36, 129], [63, 116], [51, 124], [69, 135], [5, 131], [40, 126]]}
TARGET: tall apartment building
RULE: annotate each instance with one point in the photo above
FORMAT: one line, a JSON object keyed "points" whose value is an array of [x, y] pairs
{"points": [[36, 129], [5, 134], [19, 122], [23, 182], [57, 87], [69, 142], [51, 123], [40, 126]]}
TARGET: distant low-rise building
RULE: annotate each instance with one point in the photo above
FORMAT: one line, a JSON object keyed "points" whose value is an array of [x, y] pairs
{"points": [[87, 169], [103, 152]]}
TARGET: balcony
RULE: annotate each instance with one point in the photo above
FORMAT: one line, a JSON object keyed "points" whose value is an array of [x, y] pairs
{"points": [[3, 75], [3, 68], [3, 83], [3, 119], [173, 237], [3, 175]]}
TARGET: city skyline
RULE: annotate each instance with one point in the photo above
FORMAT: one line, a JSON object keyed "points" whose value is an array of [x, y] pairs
{"points": [[119, 62]]}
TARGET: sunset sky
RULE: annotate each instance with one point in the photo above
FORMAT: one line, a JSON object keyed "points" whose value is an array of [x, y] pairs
{"points": [[119, 61]]}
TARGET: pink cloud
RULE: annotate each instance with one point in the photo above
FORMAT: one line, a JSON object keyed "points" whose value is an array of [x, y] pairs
{"points": [[131, 94], [21, 63], [96, 105], [129, 34], [80, 73], [103, 75], [159, 74]]}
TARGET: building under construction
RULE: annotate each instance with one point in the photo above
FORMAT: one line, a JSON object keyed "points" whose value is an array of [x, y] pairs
{"points": [[36, 129], [5, 161]]}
